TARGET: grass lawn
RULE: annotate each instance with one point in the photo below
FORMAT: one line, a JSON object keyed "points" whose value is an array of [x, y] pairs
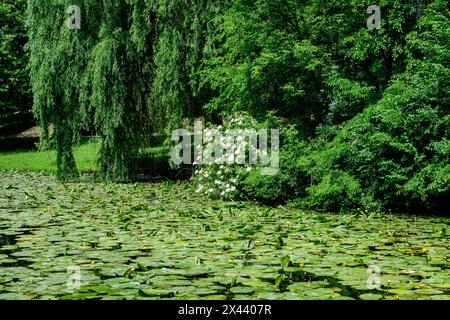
{"points": [[85, 156]]}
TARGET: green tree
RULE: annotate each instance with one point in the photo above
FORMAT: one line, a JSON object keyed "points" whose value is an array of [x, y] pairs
{"points": [[14, 81], [131, 67], [311, 61], [396, 152]]}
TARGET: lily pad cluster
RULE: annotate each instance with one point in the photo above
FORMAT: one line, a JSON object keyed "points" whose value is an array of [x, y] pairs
{"points": [[164, 241]]}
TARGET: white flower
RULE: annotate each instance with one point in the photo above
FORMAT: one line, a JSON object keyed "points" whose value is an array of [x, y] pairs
{"points": [[206, 175], [217, 182], [199, 189], [219, 173], [248, 169], [233, 188], [210, 190], [233, 180]]}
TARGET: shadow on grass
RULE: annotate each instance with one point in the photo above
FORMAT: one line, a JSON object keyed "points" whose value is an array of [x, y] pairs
{"points": [[18, 144]]}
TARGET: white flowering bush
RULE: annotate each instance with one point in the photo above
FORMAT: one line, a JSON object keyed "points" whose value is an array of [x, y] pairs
{"points": [[219, 182], [221, 177]]}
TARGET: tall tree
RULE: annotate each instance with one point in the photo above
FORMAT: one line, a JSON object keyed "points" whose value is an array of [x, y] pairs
{"points": [[131, 66], [15, 92], [313, 61]]}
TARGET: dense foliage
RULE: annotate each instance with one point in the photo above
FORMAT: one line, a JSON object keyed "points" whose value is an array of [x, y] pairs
{"points": [[396, 153], [364, 113], [128, 66], [14, 83]]}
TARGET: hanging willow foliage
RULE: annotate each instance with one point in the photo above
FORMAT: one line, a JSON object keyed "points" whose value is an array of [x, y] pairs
{"points": [[183, 38], [57, 59], [112, 90], [128, 72]]}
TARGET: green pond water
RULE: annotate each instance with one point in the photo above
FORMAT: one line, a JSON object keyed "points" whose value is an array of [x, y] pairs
{"points": [[162, 241]]}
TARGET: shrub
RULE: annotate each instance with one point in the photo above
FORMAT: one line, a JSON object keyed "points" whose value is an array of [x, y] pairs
{"points": [[395, 153], [238, 181], [289, 182], [222, 180]]}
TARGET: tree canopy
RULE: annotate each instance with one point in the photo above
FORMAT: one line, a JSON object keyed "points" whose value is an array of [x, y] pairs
{"points": [[127, 72], [14, 82], [371, 105]]}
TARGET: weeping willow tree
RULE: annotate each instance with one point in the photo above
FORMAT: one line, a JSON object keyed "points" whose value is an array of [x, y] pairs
{"points": [[184, 36], [128, 71], [113, 88], [57, 60]]}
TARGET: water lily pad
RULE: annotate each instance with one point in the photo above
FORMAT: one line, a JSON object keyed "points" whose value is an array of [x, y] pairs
{"points": [[242, 290], [428, 291], [200, 250], [156, 293], [370, 296]]}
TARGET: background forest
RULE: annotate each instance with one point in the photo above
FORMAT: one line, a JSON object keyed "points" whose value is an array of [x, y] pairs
{"points": [[364, 114]]}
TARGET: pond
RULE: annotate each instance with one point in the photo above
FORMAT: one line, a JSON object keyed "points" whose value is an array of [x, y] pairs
{"points": [[162, 241]]}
